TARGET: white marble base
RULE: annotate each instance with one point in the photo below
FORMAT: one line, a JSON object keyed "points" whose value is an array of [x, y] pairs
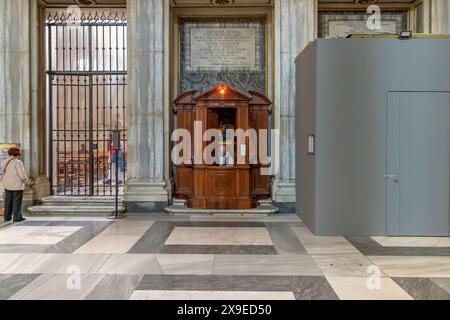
{"points": [[285, 193], [42, 187], [145, 191]]}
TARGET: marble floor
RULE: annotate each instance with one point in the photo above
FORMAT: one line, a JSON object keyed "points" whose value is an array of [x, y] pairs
{"points": [[208, 258]]}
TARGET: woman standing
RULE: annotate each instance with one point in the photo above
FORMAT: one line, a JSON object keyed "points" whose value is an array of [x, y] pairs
{"points": [[14, 180]]}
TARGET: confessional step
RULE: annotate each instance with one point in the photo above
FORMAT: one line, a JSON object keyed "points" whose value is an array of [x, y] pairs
{"points": [[180, 207]]}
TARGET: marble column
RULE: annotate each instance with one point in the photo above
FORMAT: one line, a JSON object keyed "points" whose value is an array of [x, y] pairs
{"points": [[295, 27], [38, 104], [440, 16], [15, 75], [16, 81], [146, 186], [22, 114]]}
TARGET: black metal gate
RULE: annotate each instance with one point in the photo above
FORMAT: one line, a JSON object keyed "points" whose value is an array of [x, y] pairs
{"points": [[87, 85]]}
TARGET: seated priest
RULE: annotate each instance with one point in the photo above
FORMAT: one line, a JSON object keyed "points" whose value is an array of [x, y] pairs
{"points": [[224, 157]]}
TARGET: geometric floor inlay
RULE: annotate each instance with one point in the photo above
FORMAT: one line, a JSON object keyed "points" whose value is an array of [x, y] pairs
{"points": [[219, 236], [185, 257]]}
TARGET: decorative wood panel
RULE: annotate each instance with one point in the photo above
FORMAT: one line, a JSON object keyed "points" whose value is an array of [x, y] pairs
{"points": [[236, 186]]}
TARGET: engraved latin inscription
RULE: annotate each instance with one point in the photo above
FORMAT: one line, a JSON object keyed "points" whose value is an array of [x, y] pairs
{"points": [[223, 48], [345, 28]]}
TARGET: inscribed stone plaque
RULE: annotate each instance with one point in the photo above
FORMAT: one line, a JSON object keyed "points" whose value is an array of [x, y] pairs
{"points": [[217, 51], [230, 48], [345, 28], [340, 24]]}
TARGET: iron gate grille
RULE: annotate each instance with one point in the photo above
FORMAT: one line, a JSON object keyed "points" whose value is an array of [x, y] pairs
{"points": [[87, 85]]}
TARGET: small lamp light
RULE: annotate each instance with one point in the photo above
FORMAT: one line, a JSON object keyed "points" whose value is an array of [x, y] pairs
{"points": [[405, 35], [222, 90], [311, 145]]}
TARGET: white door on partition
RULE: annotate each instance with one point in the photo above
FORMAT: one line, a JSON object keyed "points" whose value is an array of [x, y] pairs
{"points": [[418, 163]]}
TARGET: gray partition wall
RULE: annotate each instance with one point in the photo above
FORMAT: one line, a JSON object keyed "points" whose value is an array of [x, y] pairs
{"points": [[373, 137]]}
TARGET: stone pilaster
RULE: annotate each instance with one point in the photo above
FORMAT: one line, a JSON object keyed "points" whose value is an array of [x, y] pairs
{"points": [[440, 16], [295, 24], [15, 111], [15, 81], [146, 186], [38, 104]]}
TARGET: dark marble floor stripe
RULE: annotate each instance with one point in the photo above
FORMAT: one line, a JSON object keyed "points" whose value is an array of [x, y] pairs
{"points": [[284, 239], [154, 239], [204, 249], [215, 283], [78, 239], [444, 283], [304, 288], [370, 247], [423, 288], [115, 287], [11, 284], [312, 288]]}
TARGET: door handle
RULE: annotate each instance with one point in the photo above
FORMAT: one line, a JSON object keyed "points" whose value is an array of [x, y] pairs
{"points": [[392, 177]]}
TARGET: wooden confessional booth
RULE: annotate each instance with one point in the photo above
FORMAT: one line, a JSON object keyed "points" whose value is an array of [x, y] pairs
{"points": [[233, 184]]}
